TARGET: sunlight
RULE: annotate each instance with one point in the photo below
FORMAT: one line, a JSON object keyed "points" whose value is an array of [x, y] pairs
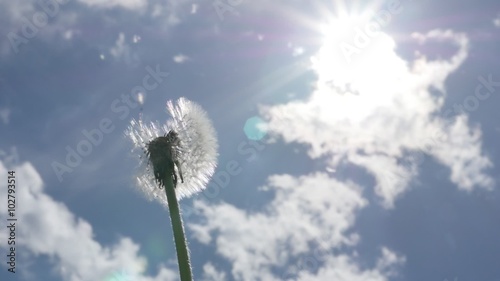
{"points": [[356, 66]]}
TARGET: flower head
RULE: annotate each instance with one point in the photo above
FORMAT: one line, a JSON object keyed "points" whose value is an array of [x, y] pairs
{"points": [[188, 141]]}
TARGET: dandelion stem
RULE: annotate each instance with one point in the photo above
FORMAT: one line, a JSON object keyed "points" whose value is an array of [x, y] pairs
{"points": [[178, 229]]}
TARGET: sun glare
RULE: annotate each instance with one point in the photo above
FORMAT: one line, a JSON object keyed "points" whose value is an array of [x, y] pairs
{"points": [[356, 65]]}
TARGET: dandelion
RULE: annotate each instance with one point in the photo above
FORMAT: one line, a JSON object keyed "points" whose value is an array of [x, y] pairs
{"points": [[177, 160], [196, 150]]}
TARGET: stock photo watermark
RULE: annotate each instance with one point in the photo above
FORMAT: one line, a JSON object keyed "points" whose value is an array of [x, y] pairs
{"points": [[221, 7], [11, 220], [31, 26], [94, 137], [11, 160]]}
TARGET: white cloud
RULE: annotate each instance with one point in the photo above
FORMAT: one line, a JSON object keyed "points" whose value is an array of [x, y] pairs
{"points": [[122, 51], [169, 11], [309, 217], [461, 151], [386, 125], [210, 273], [297, 51], [389, 260], [392, 115], [496, 21], [194, 8], [180, 58], [121, 48], [68, 34], [136, 38], [391, 177], [127, 4], [47, 227], [18, 10], [4, 115], [157, 10], [343, 267], [17, 15]]}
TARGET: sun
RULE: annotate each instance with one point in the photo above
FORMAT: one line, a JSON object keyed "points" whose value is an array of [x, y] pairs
{"points": [[350, 42], [352, 59], [356, 64]]}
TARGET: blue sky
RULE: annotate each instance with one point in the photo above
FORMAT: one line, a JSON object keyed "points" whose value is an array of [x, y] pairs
{"points": [[378, 152]]}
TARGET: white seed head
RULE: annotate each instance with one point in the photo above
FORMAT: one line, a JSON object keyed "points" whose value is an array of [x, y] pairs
{"points": [[197, 152]]}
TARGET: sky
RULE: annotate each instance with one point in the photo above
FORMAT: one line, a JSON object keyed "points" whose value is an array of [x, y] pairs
{"points": [[358, 140]]}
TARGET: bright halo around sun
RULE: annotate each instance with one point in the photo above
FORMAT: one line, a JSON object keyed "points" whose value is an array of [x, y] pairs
{"points": [[356, 64]]}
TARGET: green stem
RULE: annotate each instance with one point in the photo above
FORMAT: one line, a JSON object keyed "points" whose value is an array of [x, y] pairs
{"points": [[178, 228]]}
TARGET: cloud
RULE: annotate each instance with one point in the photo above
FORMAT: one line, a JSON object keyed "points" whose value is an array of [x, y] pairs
{"points": [[210, 273], [65, 21], [391, 117], [122, 51], [296, 234], [496, 21], [194, 8], [343, 267], [169, 12], [4, 115], [386, 124], [16, 11], [297, 51], [23, 21], [392, 178], [121, 48], [180, 58], [461, 151], [47, 227], [127, 4]]}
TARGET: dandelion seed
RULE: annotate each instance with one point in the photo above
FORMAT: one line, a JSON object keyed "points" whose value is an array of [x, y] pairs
{"points": [[195, 150]]}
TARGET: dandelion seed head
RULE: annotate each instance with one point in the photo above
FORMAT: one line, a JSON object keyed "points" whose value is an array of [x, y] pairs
{"points": [[196, 150]]}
